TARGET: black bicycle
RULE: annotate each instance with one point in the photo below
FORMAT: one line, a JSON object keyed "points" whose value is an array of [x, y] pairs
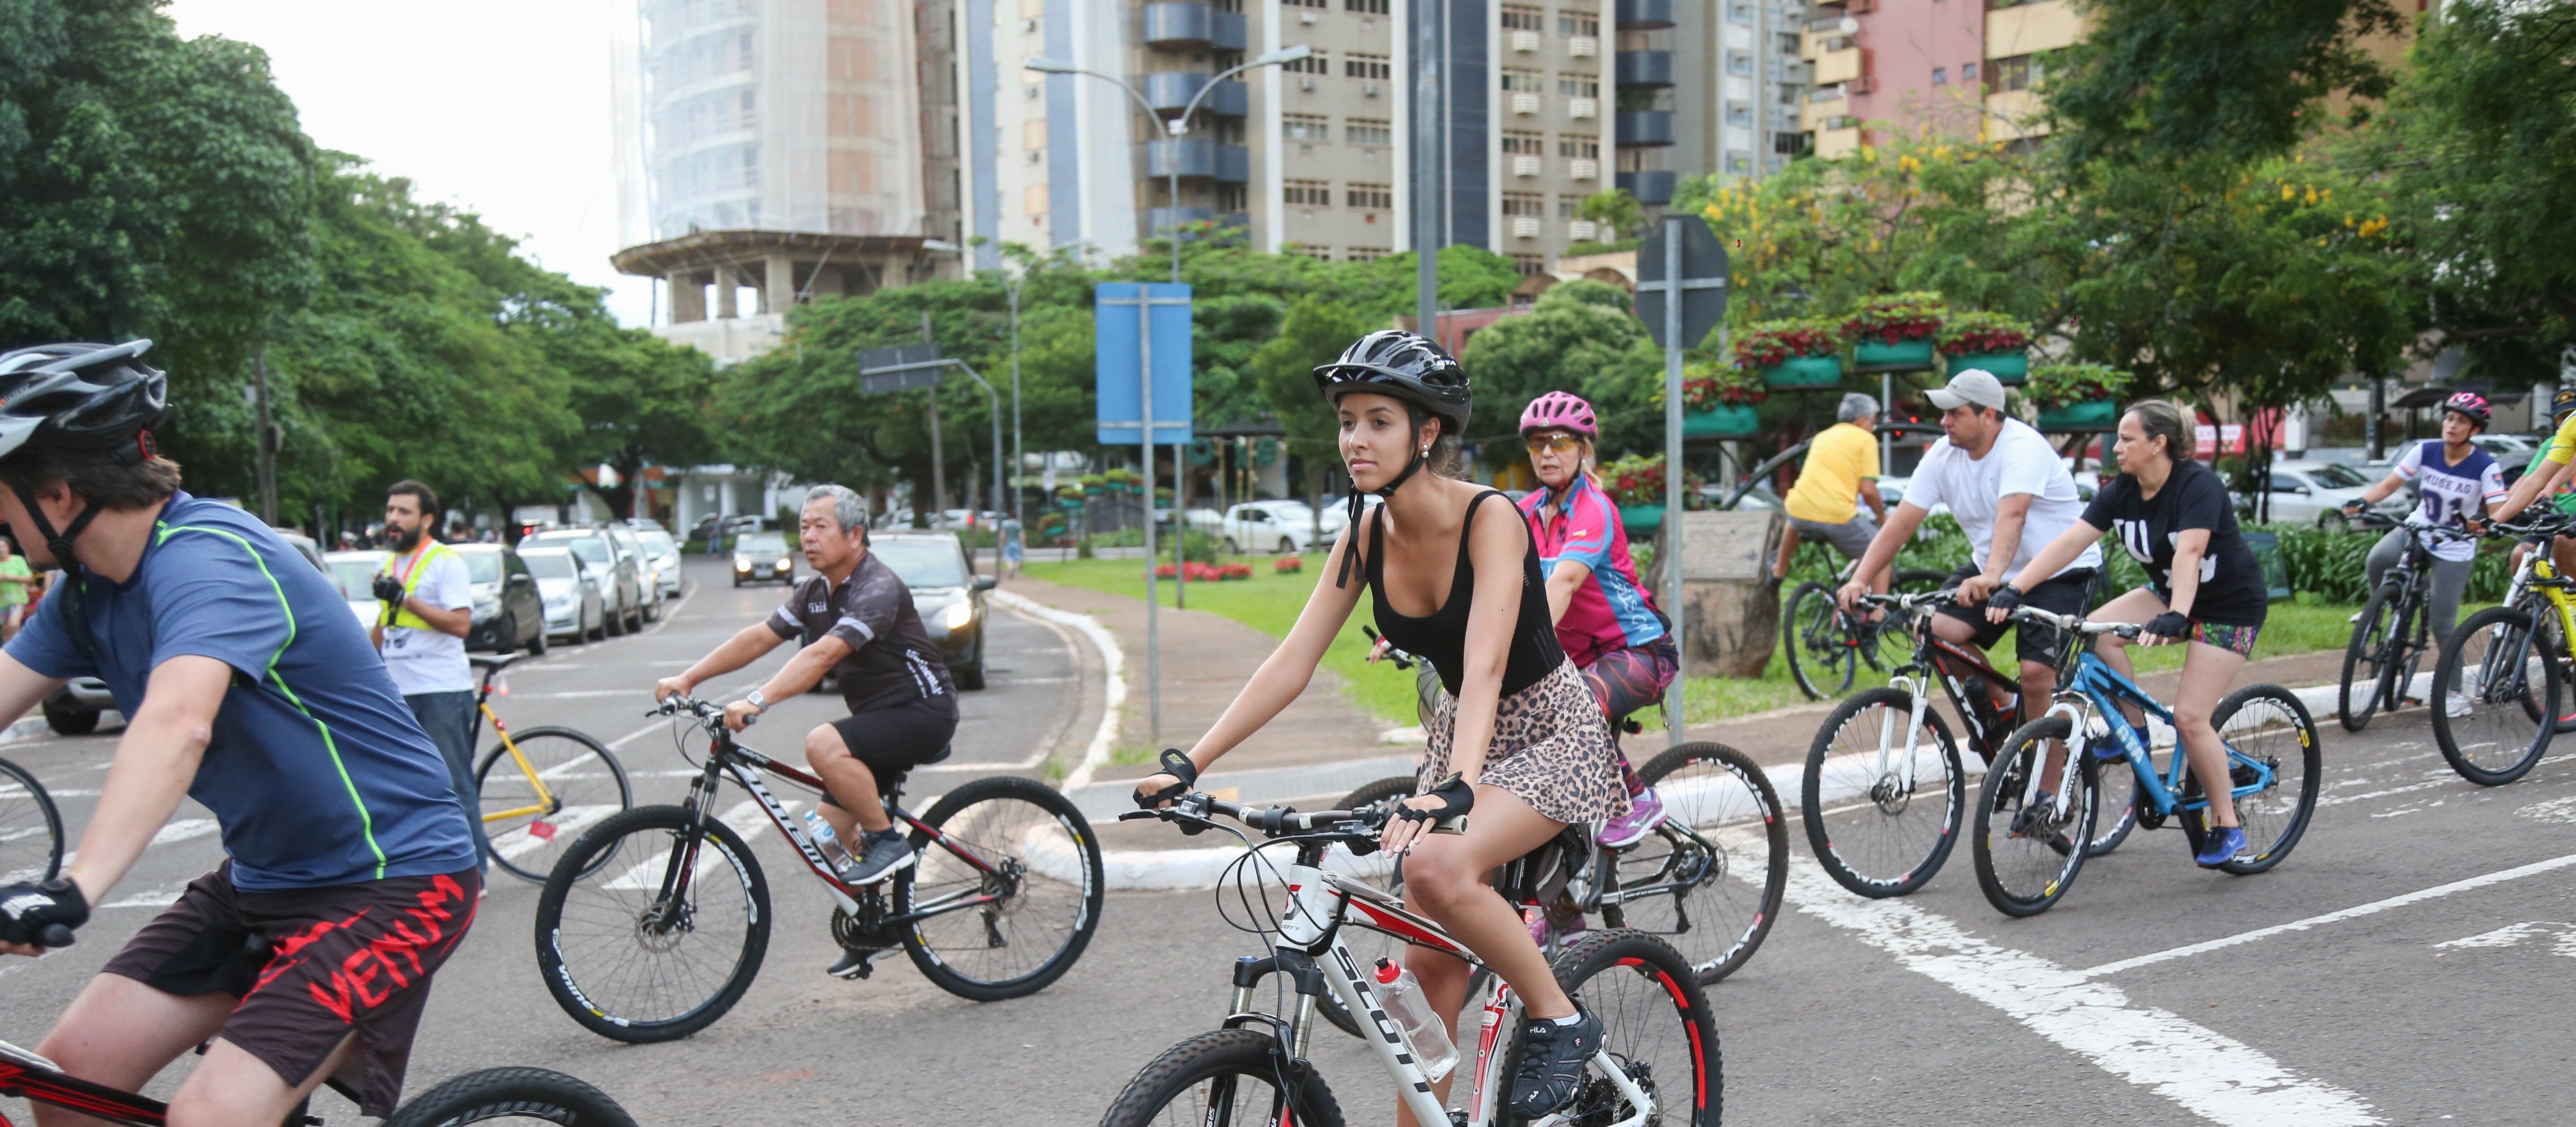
{"points": [[2392, 634], [1827, 645], [1002, 896]]}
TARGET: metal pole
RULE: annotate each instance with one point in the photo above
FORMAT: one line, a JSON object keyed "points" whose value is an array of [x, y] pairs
{"points": [[1180, 527], [1153, 595], [938, 468], [1426, 165], [267, 439], [1886, 414], [1019, 464], [1672, 561]]}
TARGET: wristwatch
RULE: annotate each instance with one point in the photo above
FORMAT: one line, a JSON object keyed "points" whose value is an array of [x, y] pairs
{"points": [[757, 701]]}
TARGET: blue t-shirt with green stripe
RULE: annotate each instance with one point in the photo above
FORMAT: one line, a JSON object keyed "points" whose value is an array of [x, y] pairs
{"points": [[316, 772]]}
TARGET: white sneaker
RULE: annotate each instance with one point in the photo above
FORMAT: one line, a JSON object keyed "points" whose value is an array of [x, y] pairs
{"points": [[2456, 705]]}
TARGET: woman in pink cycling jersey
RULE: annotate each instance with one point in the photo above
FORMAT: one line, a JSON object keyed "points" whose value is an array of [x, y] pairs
{"points": [[1605, 621]]}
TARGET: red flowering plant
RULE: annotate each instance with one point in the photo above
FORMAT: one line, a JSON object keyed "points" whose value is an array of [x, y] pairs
{"points": [[1288, 565], [1709, 385], [1769, 344], [1639, 480], [2057, 385], [1896, 318], [1978, 332]]}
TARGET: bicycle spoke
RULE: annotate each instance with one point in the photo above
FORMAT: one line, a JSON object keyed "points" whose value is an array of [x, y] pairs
{"points": [[1877, 814], [1029, 868], [1703, 881]]}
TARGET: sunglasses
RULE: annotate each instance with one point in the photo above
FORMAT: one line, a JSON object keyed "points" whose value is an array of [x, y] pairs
{"points": [[1558, 443]]}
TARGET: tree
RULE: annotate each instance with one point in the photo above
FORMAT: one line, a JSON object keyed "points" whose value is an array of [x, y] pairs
{"points": [[1618, 213], [1579, 337], [1316, 331], [2189, 80]]}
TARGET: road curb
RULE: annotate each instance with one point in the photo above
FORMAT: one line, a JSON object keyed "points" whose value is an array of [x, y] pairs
{"points": [[27, 728], [1114, 665]]}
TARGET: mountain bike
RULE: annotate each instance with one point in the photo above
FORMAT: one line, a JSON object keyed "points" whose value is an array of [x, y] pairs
{"points": [[1003, 894], [2511, 664], [31, 829], [2039, 795], [1659, 1061], [539, 786], [1827, 645], [1885, 751], [2392, 633]]}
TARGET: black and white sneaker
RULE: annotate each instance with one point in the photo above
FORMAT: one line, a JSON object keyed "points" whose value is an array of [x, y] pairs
{"points": [[1552, 1062], [879, 858], [854, 964]]}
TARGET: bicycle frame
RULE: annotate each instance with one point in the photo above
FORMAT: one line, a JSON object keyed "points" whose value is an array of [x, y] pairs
{"points": [[2096, 687], [1962, 674], [24, 1075], [546, 802]]}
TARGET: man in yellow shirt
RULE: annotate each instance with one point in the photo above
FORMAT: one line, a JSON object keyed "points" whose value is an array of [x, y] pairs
{"points": [[1840, 473]]}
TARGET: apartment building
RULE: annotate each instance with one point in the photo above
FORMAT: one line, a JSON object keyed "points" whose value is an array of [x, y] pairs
{"points": [[1310, 156]]}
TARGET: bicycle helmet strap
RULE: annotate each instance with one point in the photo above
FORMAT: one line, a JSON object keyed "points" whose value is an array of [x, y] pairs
{"points": [[57, 543], [1413, 463]]}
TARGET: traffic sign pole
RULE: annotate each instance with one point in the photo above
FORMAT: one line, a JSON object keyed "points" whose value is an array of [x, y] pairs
{"points": [[1153, 598], [1681, 296]]}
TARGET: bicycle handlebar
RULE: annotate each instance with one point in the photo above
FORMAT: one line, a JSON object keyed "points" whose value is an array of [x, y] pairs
{"points": [[54, 935], [1285, 821], [1402, 658], [2077, 624]]}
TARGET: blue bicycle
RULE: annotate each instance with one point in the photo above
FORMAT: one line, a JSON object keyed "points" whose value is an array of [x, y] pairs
{"points": [[2038, 799]]}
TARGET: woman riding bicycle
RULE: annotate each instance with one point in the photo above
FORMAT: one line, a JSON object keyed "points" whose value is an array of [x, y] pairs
{"points": [[2461, 484], [2174, 517], [1605, 620], [1519, 740]]}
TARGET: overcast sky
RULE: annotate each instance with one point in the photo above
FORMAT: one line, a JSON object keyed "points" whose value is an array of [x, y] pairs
{"points": [[499, 108]]}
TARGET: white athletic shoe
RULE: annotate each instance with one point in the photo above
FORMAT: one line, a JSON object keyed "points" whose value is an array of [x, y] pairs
{"points": [[2456, 705]]}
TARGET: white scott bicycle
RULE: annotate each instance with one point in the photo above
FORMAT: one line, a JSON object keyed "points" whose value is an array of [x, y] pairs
{"points": [[1659, 1058]]}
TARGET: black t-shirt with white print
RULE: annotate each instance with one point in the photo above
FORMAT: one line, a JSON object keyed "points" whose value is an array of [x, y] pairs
{"points": [[892, 661], [2232, 590]]}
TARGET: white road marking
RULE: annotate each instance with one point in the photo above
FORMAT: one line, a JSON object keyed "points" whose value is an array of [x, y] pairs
{"points": [[568, 823], [178, 830], [2554, 810], [2210, 1074], [1114, 693], [2355, 912], [2512, 935]]}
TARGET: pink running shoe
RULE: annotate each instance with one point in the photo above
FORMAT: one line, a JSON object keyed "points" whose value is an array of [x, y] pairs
{"points": [[1645, 812]]}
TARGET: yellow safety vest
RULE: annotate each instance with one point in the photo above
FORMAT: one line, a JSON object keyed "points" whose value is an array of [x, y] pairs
{"points": [[393, 615]]}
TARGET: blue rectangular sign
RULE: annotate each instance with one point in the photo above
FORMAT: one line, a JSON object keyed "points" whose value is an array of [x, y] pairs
{"points": [[1119, 355]]}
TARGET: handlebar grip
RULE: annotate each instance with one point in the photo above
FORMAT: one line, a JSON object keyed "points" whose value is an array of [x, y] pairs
{"points": [[54, 935], [1453, 824]]}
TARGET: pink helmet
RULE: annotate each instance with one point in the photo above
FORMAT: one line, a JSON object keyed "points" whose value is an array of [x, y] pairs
{"points": [[1559, 410], [2468, 403]]}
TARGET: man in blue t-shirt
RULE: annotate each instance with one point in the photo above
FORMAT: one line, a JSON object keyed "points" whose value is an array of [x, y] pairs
{"points": [[351, 877]]}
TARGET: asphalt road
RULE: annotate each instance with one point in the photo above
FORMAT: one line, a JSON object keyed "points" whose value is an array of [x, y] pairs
{"points": [[2438, 989]]}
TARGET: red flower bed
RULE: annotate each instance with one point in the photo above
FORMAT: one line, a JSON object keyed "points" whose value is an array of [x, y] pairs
{"points": [[1206, 573], [1288, 565]]}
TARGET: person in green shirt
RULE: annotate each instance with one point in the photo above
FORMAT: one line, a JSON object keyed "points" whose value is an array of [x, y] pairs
{"points": [[15, 580]]}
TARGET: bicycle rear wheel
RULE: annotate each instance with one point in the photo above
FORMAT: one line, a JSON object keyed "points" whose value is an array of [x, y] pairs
{"points": [[526, 1095], [1878, 828], [2509, 697], [31, 830], [1709, 880], [1020, 848], [662, 943], [1822, 653], [2357, 698], [2026, 851], [584, 783], [2266, 724], [1656, 1024], [1228, 1076]]}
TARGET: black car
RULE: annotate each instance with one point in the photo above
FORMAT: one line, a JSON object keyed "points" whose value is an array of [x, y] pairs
{"points": [[947, 592], [509, 612], [759, 557]]}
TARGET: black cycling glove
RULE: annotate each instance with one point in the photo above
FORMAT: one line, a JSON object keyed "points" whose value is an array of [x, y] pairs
{"points": [[389, 589], [2004, 598], [2168, 625], [1177, 766], [28, 910], [1455, 795]]}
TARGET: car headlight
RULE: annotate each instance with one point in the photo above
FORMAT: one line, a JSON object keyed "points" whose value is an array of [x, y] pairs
{"points": [[784, 564], [487, 609], [958, 616], [740, 564]]}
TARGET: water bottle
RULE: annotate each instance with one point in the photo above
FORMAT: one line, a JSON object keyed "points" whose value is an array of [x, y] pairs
{"points": [[826, 842], [1423, 1033]]}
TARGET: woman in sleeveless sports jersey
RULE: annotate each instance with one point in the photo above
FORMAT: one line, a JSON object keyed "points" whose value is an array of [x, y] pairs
{"points": [[1452, 576]]}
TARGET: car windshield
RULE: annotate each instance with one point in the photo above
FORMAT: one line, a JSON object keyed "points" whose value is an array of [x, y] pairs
{"points": [[923, 563], [482, 567], [659, 543], [549, 565], [356, 578], [2336, 475], [587, 549], [761, 544]]}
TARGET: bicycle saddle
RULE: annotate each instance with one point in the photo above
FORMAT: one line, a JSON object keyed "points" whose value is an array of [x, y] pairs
{"points": [[491, 661]]}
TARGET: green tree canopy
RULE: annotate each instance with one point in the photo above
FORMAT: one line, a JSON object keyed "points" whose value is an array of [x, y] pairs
{"points": [[2181, 80]]}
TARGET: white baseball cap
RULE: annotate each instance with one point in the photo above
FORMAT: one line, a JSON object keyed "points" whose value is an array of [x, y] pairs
{"points": [[1975, 385]]}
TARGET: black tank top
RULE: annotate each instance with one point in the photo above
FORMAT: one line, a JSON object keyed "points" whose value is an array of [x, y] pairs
{"points": [[1441, 636]]}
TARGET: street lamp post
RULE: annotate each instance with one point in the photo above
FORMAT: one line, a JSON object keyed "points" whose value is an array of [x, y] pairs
{"points": [[1011, 285]]}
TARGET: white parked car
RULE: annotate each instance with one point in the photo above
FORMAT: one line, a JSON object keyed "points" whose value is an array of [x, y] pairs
{"points": [[355, 574], [574, 610], [1269, 526], [2305, 492], [662, 555]]}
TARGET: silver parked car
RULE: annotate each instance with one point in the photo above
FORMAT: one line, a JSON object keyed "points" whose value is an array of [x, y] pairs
{"points": [[662, 554], [621, 582], [2305, 492], [628, 544], [574, 610]]}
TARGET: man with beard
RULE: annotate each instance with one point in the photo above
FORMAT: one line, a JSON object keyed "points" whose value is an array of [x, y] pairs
{"points": [[428, 601]]}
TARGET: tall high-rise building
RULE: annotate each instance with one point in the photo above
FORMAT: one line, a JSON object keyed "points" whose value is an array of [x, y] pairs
{"points": [[781, 149]]}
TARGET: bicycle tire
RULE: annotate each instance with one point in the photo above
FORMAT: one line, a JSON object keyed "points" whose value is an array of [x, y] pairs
{"points": [[1838, 778], [527, 855], [2364, 659], [623, 917], [1734, 810], [2117, 795], [1221, 1061], [2289, 805], [1367, 946], [1047, 860], [2037, 868], [1655, 1021], [2512, 716], [31, 828], [533, 1094], [1822, 659]]}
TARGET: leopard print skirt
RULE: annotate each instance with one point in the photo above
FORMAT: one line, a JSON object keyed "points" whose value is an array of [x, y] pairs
{"points": [[1551, 749]]}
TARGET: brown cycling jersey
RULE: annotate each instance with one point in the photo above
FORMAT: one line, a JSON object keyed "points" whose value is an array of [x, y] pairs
{"points": [[892, 661]]}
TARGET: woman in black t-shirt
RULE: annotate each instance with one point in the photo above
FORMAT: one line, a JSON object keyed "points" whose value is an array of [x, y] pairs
{"points": [[2173, 516]]}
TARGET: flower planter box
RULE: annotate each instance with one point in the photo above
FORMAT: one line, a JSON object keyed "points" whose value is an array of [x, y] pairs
{"points": [[1805, 371], [2092, 414], [2009, 367], [1726, 420], [1641, 519], [1902, 354]]}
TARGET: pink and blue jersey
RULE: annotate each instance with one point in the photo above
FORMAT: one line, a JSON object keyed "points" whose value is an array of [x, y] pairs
{"points": [[1610, 611]]}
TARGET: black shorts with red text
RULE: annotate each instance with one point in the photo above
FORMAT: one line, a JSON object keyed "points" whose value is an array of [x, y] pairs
{"points": [[309, 966]]}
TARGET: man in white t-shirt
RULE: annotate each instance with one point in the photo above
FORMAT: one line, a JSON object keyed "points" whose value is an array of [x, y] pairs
{"points": [[428, 606], [2010, 493]]}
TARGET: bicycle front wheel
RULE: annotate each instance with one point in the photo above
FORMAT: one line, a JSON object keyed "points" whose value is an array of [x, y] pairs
{"points": [[1656, 1026], [2263, 724], [2496, 697], [2364, 657], [584, 784], [505, 1095], [2117, 788], [2030, 841], [1226, 1076], [31, 830], [1822, 654], [661, 943], [1882, 821], [1709, 880], [1011, 877]]}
